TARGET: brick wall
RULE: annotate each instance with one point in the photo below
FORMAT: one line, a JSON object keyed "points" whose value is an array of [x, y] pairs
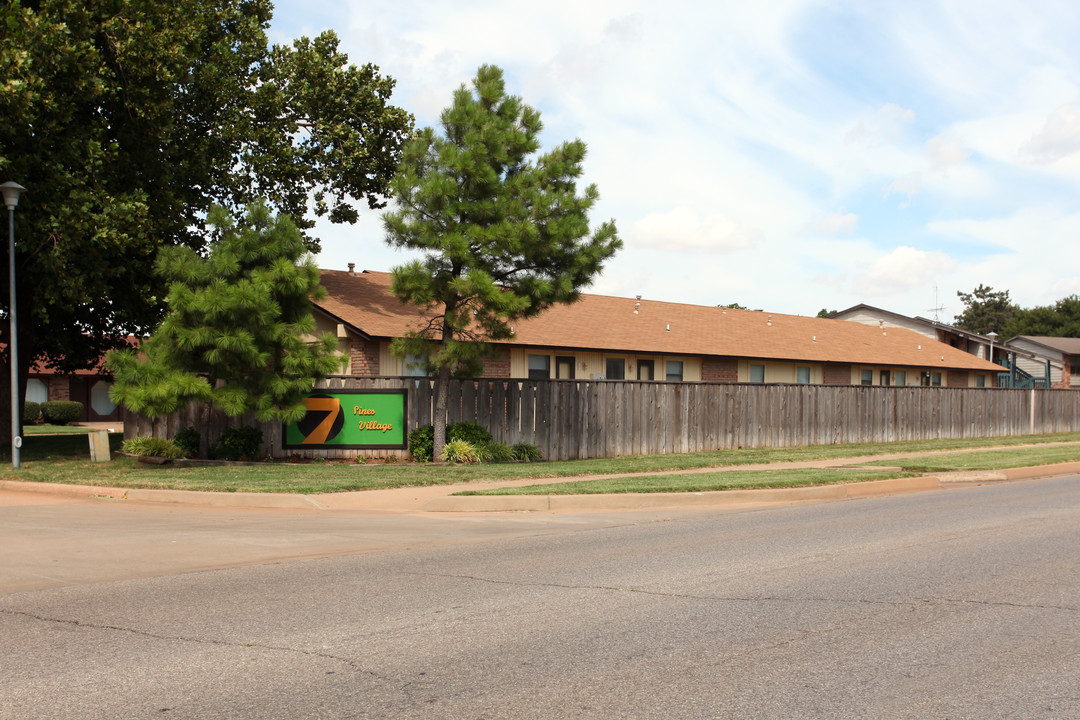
{"points": [[363, 357], [836, 374], [1066, 371], [725, 370], [59, 387], [498, 365], [957, 378]]}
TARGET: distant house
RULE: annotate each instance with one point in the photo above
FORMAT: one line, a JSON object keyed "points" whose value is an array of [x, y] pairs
{"points": [[1055, 357], [972, 343], [1025, 361], [89, 387], [614, 338]]}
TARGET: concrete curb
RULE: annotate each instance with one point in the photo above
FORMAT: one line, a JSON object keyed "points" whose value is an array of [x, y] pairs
{"points": [[647, 501], [80, 491], [187, 497], [545, 503], [1022, 473]]}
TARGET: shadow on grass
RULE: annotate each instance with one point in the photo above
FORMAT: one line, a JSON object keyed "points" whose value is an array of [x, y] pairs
{"points": [[74, 446]]}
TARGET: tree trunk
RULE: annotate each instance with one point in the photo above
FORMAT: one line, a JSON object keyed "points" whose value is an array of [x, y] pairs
{"points": [[442, 390]]}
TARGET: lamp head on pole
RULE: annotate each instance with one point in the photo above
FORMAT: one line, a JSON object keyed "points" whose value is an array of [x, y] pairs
{"points": [[12, 190]]}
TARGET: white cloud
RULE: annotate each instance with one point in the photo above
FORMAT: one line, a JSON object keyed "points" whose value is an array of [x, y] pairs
{"points": [[840, 222], [901, 269], [683, 229], [1058, 138], [946, 150], [1028, 230], [886, 125], [719, 144], [910, 185]]}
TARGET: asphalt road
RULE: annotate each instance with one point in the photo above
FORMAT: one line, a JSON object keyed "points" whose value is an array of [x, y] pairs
{"points": [[955, 604]]}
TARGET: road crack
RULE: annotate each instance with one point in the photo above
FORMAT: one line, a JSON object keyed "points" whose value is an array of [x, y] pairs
{"points": [[761, 598], [349, 662]]}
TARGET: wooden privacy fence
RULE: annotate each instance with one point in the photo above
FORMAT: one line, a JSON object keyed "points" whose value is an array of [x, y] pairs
{"points": [[606, 418]]}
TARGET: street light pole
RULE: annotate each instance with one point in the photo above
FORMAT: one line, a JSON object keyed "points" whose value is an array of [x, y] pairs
{"points": [[12, 191]]}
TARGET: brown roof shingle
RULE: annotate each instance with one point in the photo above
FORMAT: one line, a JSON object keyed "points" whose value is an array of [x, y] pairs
{"points": [[599, 322]]}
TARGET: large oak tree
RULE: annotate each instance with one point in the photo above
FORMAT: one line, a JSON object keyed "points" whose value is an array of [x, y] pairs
{"points": [[127, 120]]}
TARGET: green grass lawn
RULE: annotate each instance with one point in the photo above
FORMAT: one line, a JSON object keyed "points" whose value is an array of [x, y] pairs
{"points": [[988, 460], [66, 459], [698, 482], [54, 429]]}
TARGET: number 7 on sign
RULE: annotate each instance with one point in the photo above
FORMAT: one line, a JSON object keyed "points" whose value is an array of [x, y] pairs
{"points": [[332, 408]]}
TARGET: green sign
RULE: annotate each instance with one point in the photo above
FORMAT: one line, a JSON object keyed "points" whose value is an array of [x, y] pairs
{"points": [[350, 419]]}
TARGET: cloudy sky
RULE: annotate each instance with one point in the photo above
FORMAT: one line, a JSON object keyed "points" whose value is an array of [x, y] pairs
{"points": [[788, 155]]}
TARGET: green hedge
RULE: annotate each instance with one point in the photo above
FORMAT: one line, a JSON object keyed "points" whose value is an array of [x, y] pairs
{"points": [[61, 412], [31, 412]]}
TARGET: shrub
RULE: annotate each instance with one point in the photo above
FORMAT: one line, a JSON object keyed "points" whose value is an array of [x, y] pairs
{"points": [[495, 452], [468, 431], [422, 439], [31, 412], [239, 443], [187, 440], [152, 446], [460, 451], [422, 443], [523, 452], [61, 412]]}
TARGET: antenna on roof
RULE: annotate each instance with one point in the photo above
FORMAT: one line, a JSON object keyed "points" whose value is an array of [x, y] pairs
{"points": [[938, 308]]}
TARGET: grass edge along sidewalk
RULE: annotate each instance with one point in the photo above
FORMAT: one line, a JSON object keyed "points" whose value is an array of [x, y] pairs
{"points": [[972, 460], [696, 472]]}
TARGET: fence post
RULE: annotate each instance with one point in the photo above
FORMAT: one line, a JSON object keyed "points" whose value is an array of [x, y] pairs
{"points": [[1031, 424]]}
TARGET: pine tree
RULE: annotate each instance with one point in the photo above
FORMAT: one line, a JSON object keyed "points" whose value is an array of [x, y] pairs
{"points": [[504, 231], [985, 310], [235, 333]]}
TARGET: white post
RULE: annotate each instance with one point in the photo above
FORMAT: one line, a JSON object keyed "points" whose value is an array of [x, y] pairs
{"points": [[1031, 425]]}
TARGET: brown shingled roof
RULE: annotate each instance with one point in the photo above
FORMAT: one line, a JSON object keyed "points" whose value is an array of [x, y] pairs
{"points": [[600, 322]]}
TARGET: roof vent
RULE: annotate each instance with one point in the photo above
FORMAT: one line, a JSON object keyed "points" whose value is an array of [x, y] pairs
{"points": [[352, 268]]}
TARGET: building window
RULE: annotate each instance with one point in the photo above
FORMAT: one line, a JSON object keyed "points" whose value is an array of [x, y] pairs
{"points": [[935, 379], [980, 381], [924, 378], [757, 373], [415, 366], [539, 367], [886, 378], [674, 371], [901, 378], [564, 367], [100, 401], [645, 369], [802, 375], [615, 369], [867, 377], [36, 391]]}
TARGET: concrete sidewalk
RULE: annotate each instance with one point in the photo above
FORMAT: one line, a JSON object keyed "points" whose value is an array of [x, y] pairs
{"points": [[443, 498]]}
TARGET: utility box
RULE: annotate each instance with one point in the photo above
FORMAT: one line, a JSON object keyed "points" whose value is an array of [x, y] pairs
{"points": [[99, 446]]}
